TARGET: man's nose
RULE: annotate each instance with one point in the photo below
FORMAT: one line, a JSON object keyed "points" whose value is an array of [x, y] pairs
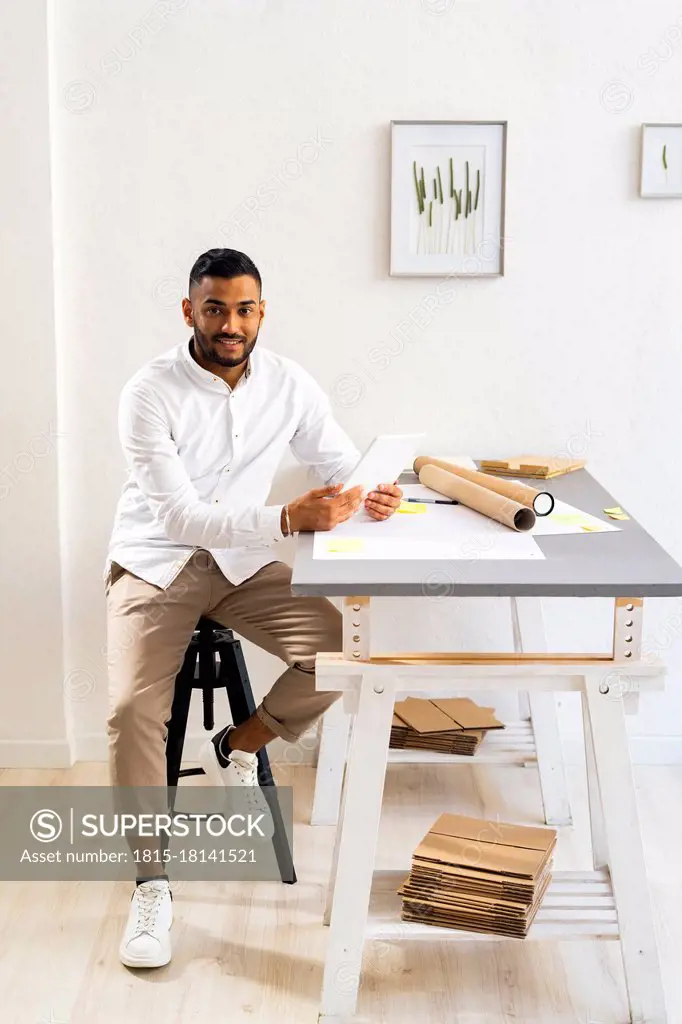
{"points": [[231, 325]]}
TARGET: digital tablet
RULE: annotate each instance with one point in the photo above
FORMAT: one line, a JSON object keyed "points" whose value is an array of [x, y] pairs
{"points": [[386, 458]]}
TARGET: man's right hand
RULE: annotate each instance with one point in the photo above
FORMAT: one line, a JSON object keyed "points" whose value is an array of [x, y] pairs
{"points": [[322, 508]]}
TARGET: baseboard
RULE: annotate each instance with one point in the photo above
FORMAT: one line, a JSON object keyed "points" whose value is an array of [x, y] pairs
{"points": [[35, 754], [653, 750], [645, 750], [94, 747]]}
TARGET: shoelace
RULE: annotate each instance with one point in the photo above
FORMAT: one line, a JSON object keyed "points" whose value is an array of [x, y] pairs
{"points": [[248, 774], [248, 777], [148, 902]]}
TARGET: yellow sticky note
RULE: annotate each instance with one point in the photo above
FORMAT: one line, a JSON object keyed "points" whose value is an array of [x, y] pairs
{"points": [[616, 513], [345, 545], [568, 518], [411, 507]]}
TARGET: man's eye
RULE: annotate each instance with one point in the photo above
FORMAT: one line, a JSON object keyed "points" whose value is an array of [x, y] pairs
{"points": [[213, 311], [246, 311]]}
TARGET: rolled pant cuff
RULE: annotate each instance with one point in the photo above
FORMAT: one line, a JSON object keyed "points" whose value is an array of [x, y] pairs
{"points": [[277, 727]]}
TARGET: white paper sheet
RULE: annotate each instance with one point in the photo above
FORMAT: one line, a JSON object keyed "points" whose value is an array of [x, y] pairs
{"points": [[421, 492], [547, 526], [440, 532]]}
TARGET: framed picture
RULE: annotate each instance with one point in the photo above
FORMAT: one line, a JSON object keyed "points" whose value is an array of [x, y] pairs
{"points": [[661, 171], [447, 198]]}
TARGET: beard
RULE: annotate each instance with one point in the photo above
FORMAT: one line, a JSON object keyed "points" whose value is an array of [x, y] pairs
{"points": [[211, 351]]}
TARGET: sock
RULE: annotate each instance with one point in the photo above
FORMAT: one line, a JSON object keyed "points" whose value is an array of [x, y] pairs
{"points": [[222, 745], [151, 878]]}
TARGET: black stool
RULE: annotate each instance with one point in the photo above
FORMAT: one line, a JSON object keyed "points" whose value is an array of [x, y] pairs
{"points": [[214, 659]]}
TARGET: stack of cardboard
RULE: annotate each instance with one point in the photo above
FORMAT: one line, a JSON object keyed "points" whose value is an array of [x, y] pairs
{"points": [[479, 876], [542, 467], [452, 726]]}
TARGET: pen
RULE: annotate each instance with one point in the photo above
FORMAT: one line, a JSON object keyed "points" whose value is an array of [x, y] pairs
{"points": [[432, 501]]}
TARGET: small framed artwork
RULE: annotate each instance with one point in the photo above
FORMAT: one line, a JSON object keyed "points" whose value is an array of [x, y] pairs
{"points": [[447, 198], [661, 171]]}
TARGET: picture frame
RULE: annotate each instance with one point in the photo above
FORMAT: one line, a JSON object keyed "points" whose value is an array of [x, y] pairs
{"points": [[448, 198], [661, 161]]}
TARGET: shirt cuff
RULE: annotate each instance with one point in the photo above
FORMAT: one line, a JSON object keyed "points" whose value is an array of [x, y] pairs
{"points": [[271, 523]]}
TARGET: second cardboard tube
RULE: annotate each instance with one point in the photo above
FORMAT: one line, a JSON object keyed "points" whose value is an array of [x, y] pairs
{"points": [[481, 499]]}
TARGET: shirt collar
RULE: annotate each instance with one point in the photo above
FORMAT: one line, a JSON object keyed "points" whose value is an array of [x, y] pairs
{"points": [[205, 376]]}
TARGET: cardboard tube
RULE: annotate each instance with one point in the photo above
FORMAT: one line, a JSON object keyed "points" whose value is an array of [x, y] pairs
{"points": [[541, 502], [495, 506]]}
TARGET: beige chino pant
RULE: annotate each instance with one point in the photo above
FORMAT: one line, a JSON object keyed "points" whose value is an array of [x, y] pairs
{"points": [[149, 629]]}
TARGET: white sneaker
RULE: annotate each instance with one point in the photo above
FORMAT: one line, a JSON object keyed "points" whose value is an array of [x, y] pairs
{"points": [[146, 940], [242, 771]]}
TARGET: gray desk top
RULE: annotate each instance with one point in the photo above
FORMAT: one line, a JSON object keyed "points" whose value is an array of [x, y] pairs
{"points": [[625, 564]]}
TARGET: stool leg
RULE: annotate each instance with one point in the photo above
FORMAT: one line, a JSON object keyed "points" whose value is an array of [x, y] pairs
{"points": [[280, 840], [207, 672], [235, 676], [177, 724], [177, 728]]}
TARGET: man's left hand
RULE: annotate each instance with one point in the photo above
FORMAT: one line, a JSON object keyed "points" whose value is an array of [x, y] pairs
{"points": [[382, 503]]}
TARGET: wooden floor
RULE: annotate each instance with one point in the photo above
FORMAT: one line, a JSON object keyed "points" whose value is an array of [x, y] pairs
{"points": [[252, 954]]}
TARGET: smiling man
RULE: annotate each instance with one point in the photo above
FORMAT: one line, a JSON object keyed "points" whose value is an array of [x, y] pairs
{"points": [[203, 429]]}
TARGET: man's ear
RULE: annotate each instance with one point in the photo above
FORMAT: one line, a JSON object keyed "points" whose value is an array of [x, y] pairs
{"points": [[187, 312], [261, 308]]}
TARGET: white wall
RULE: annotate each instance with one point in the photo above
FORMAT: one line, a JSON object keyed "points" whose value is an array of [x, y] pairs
{"points": [[31, 694], [169, 119]]}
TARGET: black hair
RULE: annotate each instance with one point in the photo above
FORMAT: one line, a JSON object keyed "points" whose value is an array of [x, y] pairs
{"points": [[223, 263]]}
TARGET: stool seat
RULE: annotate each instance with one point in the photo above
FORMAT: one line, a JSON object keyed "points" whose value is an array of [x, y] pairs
{"points": [[214, 660]]}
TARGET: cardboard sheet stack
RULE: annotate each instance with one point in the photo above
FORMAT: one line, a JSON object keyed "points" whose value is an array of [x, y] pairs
{"points": [[542, 467], [451, 726], [481, 876]]}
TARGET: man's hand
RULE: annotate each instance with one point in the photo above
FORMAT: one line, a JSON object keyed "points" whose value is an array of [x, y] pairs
{"points": [[383, 502], [322, 508]]}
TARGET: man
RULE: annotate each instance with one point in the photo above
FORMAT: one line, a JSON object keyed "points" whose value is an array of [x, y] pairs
{"points": [[203, 428]]}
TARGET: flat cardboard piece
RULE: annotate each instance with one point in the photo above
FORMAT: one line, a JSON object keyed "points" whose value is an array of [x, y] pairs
{"points": [[530, 837], [473, 853], [424, 716], [445, 714], [520, 850], [540, 466], [468, 714]]}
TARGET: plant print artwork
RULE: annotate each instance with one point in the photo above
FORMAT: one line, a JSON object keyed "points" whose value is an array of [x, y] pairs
{"points": [[447, 199]]}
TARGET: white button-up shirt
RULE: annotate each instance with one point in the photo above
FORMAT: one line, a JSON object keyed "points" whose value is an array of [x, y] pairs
{"points": [[201, 459]]}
